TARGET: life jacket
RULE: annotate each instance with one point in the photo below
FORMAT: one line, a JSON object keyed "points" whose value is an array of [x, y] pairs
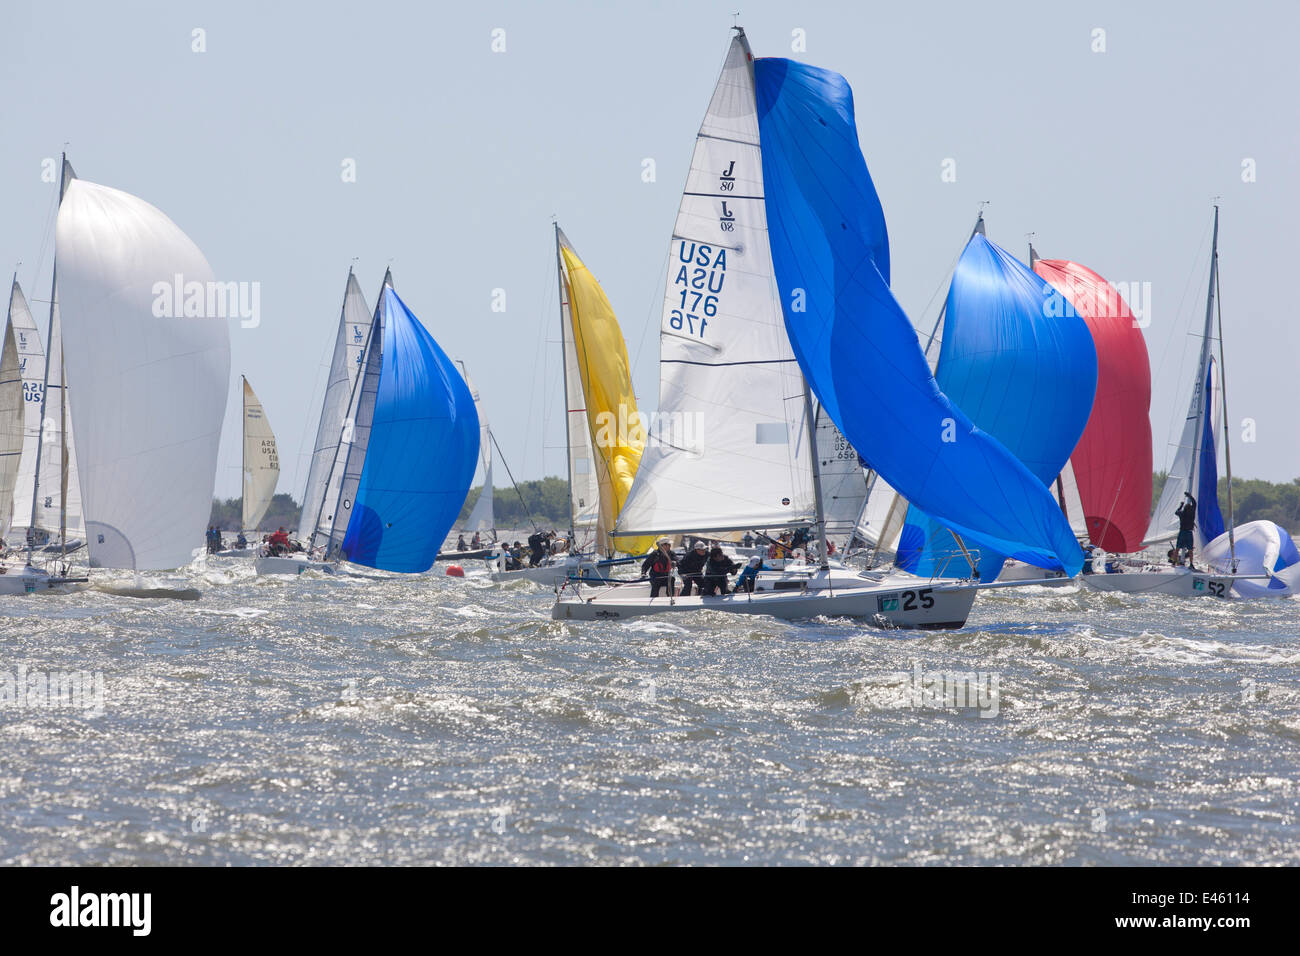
{"points": [[662, 565]]}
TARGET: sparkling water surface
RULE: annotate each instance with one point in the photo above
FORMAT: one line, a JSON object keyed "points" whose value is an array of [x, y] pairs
{"points": [[430, 720]]}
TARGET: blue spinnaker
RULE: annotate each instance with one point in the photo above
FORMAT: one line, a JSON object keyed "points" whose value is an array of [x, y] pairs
{"points": [[853, 341], [1208, 516], [423, 448], [1022, 365]]}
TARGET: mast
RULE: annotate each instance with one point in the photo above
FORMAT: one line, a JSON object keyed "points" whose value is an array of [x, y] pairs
{"points": [[243, 455], [1223, 391], [977, 228], [564, 371], [45, 386], [818, 505], [1198, 393]]}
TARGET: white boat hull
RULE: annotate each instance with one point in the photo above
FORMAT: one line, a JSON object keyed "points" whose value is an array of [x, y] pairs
{"points": [[1018, 571], [287, 564], [30, 580], [890, 601], [1179, 582]]}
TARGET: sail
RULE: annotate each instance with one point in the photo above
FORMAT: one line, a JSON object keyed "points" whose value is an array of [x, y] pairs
{"points": [[261, 461], [858, 349], [11, 425], [613, 423], [1020, 367], [1257, 548], [843, 481], [1188, 472], [151, 388], [729, 446], [345, 367], [422, 448], [1067, 494], [31, 362], [584, 480], [350, 456], [1112, 463], [481, 517]]}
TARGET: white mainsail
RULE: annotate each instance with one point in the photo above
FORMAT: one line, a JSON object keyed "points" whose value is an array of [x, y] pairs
{"points": [[152, 385], [1184, 474], [11, 425], [350, 458], [345, 367], [261, 461], [481, 517], [728, 449], [31, 363]]}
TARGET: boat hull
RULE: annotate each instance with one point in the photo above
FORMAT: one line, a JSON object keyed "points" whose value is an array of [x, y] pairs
{"points": [[1179, 582], [894, 603], [286, 564], [36, 581]]}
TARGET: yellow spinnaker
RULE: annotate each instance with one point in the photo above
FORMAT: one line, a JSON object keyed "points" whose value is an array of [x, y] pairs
{"points": [[617, 432]]}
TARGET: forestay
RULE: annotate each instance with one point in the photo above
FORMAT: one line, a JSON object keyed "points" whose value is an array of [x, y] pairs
{"points": [[481, 517]]}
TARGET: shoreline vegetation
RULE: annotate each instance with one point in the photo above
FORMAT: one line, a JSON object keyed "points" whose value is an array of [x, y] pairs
{"points": [[1253, 499]]}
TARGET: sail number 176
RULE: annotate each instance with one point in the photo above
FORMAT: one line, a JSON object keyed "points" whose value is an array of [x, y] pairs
{"points": [[685, 318]]}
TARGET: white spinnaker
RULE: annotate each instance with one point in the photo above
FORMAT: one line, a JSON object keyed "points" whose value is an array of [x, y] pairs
{"points": [[11, 425], [843, 481], [345, 367], [584, 478], [480, 516], [31, 361], [728, 449], [151, 388], [261, 461]]}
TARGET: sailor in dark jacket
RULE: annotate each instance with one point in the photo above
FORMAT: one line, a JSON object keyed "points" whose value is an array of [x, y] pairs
{"points": [[659, 564], [1186, 513], [716, 570], [691, 568]]}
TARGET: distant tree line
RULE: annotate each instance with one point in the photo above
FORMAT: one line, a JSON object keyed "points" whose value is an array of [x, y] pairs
{"points": [[547, 502], [1252, 500], [228, 514]]}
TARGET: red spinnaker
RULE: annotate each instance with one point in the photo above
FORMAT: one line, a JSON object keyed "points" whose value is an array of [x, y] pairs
{"points": [[1112, 462]]}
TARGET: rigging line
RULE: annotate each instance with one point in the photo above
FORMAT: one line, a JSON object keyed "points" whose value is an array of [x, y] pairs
{"points": [[514, 483], [1174, 420]]}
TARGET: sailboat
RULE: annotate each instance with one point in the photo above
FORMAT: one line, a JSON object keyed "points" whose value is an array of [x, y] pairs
{"points": [[777, 291], [604, 431], [1025, 373], [1194, 471], [260, 467], [403, 455]]}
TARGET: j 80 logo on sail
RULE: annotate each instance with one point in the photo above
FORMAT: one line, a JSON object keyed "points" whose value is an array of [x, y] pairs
{"points": [[209, 299]]}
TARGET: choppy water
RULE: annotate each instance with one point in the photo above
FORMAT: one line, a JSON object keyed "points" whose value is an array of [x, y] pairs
{"points": [[435, 720]]}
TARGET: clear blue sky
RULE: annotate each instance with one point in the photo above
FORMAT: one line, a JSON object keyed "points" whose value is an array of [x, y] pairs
{"points": [[463, 155]]}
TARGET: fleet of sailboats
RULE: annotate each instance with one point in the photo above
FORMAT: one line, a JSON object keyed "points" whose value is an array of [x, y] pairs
{"points": [[794, 395]]}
